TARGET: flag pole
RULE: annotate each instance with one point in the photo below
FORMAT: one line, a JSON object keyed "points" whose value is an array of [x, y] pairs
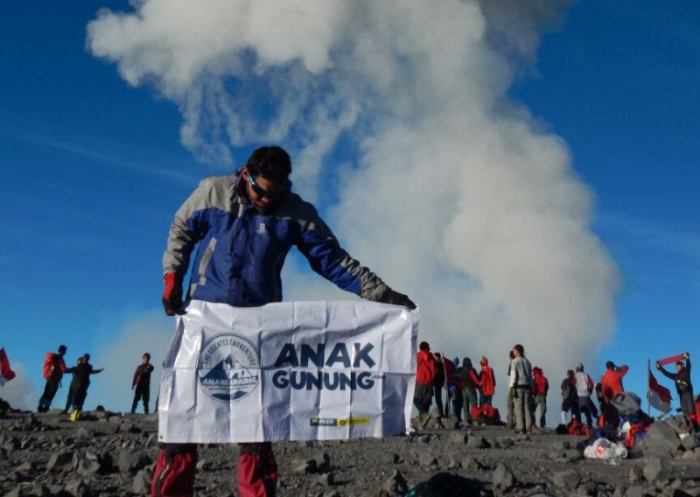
{"points": [[648, 399]]}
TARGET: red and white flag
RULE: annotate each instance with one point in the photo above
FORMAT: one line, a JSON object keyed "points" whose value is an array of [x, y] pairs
{"points": [[658, 396], [6, 374], [672, 359]]}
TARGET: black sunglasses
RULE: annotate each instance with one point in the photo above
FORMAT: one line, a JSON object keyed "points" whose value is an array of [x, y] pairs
{"points": [[261, 192]]}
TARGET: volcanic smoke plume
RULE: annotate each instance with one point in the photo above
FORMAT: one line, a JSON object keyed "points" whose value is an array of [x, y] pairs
{"points": [[447, 189]]}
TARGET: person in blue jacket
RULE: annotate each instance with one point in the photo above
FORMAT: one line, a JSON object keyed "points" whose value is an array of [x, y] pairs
{"points": [[244, 226]]}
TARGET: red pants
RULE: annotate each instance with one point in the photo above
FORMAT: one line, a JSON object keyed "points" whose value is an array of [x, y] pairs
{"points": [[173, 475]]}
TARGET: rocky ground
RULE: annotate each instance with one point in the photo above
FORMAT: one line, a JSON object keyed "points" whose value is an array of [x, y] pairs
{"points": [[112, 455]]}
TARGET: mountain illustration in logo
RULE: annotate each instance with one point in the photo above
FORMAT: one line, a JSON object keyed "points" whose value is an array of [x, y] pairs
{"points": [[231, 378]]}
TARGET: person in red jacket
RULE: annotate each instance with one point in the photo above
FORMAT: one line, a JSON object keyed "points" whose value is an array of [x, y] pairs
{"points": [[612, 380], [540, 388], [54, 367], [611, 384], [487, 382], [426, 368]]}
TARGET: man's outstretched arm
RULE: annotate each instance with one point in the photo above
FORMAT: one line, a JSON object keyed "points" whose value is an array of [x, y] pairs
{"points": [[330, 260]]}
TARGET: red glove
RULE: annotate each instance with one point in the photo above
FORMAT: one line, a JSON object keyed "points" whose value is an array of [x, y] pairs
{"points": [[172, 295]]}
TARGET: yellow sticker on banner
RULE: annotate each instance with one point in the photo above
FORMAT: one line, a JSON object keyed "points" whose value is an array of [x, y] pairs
{"points": [[361, 421], [351, 421]]}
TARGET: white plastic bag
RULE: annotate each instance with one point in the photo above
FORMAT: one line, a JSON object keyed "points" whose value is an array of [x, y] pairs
{"points": [[605, 449]]}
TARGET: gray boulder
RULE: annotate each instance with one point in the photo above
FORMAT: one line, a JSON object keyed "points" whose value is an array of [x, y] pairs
{"points": [[132, 460], [654, 469], [502, 477], [59, 461], [566, 480], [396, 484], [660, 440]]}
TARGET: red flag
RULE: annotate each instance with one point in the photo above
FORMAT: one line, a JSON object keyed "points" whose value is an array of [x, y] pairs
{"points": [[6, 374], [672, 359], [658, 396]]}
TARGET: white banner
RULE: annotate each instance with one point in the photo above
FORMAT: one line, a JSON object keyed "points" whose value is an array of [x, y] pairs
{"points": [[288, 371]]}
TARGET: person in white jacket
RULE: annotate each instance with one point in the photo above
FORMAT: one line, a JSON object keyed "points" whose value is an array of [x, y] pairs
{"points": [[521, 385], [584, 388]]}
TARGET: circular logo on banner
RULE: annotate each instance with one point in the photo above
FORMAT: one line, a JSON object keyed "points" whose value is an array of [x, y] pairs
{"points": [[228, 367]]}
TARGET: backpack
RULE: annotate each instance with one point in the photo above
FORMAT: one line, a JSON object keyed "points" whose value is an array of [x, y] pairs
{"points": [[49, 365]]}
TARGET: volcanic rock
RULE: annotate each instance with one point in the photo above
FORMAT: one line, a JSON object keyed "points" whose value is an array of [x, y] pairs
{"points": [[59, 461], [502, 477], [653, 469], [396, 484], [566, 480], [142, 482], [660, 440], [131, 460]]}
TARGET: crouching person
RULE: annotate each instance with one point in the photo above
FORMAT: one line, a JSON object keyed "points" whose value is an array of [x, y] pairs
{"points": [[234, 209]]}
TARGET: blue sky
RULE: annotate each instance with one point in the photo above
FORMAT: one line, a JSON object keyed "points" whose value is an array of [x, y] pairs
{"points": [[92, 170]]}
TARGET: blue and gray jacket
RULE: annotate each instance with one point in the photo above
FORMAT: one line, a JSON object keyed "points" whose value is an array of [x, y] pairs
{"points": [[241, 251]]}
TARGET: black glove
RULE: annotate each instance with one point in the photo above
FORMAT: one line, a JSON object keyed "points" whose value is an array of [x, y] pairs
{"points": [[392, 297]]}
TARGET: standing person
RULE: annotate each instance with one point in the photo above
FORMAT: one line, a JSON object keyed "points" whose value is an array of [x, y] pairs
{"points": [[54, 367], [426, 369], [611, 383], [509, 398], [612, 380], [71, 389], [439, 383], [540, 388], [141, 384], [584, 388], [569, 399], [684, 387], [470, 382], [245, 224], [487, 382], [521, 383], [453, 374], [80, 383]]}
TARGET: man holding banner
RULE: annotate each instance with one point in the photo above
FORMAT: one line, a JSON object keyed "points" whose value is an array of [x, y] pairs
{"points": [[244, 225], [681, 378]]}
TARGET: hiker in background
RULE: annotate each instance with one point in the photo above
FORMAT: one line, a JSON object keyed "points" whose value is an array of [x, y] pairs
{"points": [[53, 370], [509, 398], [439, 383], [521, 383], [540, 388], [79, 384], [141, 384], [569, 399], [584, 388], [612, 385], [71, 389], [487, 382], [612, 380], [425, 377], [684, 387], [453, 375], [470, 382]]}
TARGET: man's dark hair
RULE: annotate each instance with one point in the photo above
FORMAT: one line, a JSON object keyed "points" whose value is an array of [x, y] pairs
{"points": [[62, 348], [520, 349], [147, 356], [609, 365], [680, 363], [273, 163], [424, 346]]}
